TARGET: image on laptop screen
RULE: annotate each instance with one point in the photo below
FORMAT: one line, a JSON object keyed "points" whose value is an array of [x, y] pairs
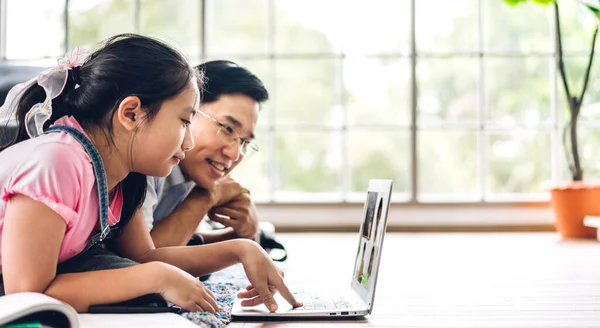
{"points": [[371, 231]]}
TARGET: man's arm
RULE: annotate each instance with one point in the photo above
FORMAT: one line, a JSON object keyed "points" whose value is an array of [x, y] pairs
{"points": [[241, 222], [178, 227], [151, 200], [239, 214]]}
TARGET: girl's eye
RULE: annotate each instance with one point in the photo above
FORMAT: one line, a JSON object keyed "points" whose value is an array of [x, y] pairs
{"points": [[186, 122]]}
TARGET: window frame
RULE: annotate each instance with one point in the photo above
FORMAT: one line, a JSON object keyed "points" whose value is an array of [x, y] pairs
{"points": [[414, 127]]}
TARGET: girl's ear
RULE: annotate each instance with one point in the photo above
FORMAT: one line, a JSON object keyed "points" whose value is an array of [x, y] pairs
{"points": [[130, 113]]}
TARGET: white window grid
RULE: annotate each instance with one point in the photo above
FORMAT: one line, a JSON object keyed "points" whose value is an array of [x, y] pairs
{"points": [[413, 55]]}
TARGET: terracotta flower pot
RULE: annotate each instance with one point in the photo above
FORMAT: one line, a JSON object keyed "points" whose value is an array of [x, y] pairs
{"points": [[571, 204]]}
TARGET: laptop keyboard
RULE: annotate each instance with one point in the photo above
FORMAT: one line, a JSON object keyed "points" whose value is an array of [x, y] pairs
{"points": [[319, 302]]}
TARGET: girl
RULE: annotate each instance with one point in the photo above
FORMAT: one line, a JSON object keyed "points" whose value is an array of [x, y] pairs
{"points": [[101, 125]]}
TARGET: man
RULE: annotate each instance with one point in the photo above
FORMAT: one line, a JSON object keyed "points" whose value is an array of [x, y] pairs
{"points": [[223, 133]]}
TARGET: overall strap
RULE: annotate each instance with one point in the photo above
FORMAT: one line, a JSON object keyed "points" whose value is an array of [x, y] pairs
{"points": [[101, 182]]}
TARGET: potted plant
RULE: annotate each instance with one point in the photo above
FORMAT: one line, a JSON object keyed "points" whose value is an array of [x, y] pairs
{"points": [[572, 202]]}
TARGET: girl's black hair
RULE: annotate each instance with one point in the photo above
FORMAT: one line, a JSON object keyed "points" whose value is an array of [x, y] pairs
{"points": [[126, 65]]}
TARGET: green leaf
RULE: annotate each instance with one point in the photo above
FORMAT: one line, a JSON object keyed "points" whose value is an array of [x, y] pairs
{"points": [[593, 6], [543, 2], [539, 2], [514, 2]]}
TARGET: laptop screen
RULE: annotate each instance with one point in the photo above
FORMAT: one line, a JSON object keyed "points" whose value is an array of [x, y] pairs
{"points": [[372, 229]]}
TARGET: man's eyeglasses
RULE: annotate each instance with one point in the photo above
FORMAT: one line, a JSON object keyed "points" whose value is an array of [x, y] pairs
{"points": [[227, 133]]}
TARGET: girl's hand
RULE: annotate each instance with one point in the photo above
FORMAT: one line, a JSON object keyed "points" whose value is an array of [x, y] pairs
{"points": [[181, 288], [265, 278]]}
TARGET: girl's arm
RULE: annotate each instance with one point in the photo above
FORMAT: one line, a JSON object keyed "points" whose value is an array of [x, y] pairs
{"points": [[106, 286], [31, 242], [135, 243]]}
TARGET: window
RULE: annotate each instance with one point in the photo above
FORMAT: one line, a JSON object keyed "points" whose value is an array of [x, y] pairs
{"points": [[91, 22], [468, 112], [34, 34], [179, 22]]}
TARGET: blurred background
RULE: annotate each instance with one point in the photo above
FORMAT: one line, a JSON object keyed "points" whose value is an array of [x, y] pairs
{"points": [[456, 101]]}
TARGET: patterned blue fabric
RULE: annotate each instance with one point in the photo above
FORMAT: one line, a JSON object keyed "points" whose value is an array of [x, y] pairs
{"points": [[225, 285]]}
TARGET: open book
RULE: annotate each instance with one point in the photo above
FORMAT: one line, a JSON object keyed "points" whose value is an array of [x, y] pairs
{"points": [[36, 308]]}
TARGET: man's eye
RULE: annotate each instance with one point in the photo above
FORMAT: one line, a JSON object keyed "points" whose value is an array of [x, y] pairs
{"points": [[229, 129], [186, 122]]}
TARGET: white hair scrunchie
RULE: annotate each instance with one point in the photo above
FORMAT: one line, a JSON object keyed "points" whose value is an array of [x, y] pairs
{"points": [[53, 81]]}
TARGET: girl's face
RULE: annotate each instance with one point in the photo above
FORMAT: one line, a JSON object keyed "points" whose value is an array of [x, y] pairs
{"points": [[161, 143]]}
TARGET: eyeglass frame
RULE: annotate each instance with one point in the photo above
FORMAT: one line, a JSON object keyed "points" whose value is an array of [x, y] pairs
{"points": [[229, 131]]}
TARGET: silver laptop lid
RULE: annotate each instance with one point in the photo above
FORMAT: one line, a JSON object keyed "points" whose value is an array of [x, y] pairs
{"points": [[372, 230]]}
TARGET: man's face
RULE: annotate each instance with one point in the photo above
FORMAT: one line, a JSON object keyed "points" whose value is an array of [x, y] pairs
{"points": [[213, 156]]}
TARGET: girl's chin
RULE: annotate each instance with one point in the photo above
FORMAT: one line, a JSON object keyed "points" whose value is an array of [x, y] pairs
{"points": [[163, 171]]}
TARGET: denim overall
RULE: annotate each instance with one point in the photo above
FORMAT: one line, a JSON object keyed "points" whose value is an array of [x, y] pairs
{"points": [[98, 166]]}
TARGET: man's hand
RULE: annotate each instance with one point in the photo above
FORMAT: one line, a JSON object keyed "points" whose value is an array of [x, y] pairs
{"points": [[225, 190], [239, 213]]}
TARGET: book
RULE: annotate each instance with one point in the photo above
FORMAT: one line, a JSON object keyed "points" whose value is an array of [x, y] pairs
{"points": [[36, 310]]}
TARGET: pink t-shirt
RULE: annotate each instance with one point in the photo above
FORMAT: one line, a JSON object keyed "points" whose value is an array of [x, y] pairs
{"points": [[55, 169]]}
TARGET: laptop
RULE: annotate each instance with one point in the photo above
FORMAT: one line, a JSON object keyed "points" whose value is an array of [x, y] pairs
{"points": [[357, 299]]}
